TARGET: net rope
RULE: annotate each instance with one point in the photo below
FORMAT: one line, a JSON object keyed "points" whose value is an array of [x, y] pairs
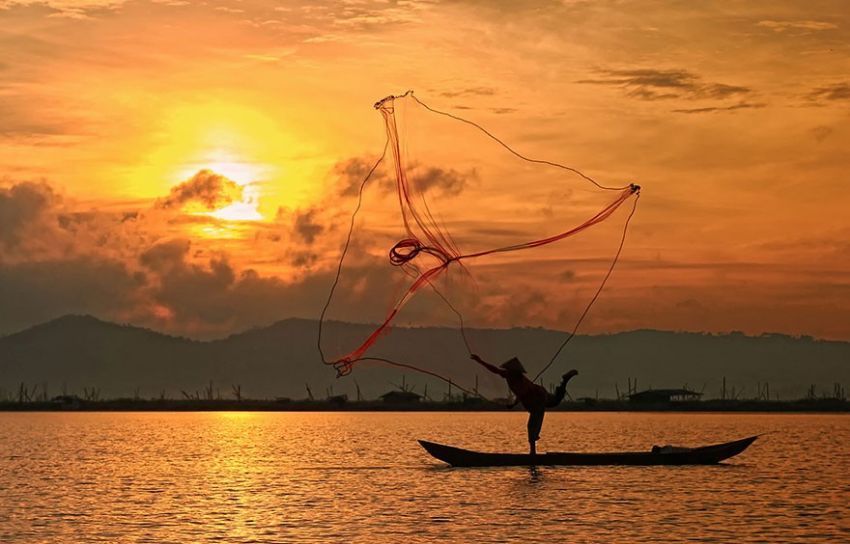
{"points": [[437, 243]]}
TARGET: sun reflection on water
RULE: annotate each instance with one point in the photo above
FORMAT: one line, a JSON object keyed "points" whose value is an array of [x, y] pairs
{"points": [[360, 477]]}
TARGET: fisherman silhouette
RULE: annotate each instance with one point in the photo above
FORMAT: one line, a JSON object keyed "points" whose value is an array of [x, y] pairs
{"points": [[534, 398]]}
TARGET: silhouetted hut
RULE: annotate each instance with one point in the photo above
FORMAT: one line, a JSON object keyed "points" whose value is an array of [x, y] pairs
{"points": [[401, 397], [338, 400]]}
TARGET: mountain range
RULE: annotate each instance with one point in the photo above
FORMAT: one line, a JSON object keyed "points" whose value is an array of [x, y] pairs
{"points": [[71, 353]]}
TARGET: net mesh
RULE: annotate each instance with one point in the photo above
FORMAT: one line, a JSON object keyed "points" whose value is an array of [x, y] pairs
{"points": [[455, 228]]}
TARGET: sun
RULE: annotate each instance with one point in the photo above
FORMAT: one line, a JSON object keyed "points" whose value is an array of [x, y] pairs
{"points": [[240, 171], [274, 159], [246, 210], [245, 173]]}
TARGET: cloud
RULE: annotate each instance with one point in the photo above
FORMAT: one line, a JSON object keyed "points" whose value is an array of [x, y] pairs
{"points": [[56, 258], [350, 174], [206, 188], [734, 107], [22, 207], [651, 84], [37, 223], [470, 91], [837, 91], [306, 226], [212, 298], [164, 255], [33, 292], [175, 285], [821, 133], [450, 182], [782, 26]]}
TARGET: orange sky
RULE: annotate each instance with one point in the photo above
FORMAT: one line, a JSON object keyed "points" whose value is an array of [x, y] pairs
{"points": [[182, 165]]}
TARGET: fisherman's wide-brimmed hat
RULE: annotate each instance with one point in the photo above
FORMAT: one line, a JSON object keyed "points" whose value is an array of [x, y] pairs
{"points": [[513, 365]]}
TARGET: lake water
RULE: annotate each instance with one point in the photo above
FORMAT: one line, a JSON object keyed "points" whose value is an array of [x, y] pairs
{"points": [[361, 477]]}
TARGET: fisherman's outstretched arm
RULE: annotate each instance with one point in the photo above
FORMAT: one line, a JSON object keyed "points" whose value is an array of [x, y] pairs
{"points": [[488, 366]]}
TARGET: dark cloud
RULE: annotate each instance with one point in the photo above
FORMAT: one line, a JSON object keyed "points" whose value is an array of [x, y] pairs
{"points": [[21, 207], [306, 225], [200, 296], [720, 91], [498, 232], [165, 255], [821, 133], [122, 266], [167, 289], [351, 173], [450, 181], [303, 259], [519, 308], [651, 84], [33, 292], [469, 91], [196, 293], [838, 91], [741, 106], [210, 190], [212, 298]]}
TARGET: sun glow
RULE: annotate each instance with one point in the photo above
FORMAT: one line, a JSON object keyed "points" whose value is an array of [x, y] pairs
{"points": [[246, 210], [272, 156], [246, 174]]}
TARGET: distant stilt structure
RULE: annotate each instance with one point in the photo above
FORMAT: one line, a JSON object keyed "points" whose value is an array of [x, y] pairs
{"points": [[763, 391], [208, 391], [91, 394], [24, 394], [309, 391]]}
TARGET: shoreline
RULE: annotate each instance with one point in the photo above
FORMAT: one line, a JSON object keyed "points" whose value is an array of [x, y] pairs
{"points": [[470, 405]]}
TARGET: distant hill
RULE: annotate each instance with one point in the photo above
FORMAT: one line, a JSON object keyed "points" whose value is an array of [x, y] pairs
{"points": [[74, 352]]}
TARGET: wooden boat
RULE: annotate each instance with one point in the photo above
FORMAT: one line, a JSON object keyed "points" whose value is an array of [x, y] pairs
{"points": [[706, 455]]}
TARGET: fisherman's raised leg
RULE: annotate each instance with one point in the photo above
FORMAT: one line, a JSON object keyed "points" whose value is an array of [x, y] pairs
{"points": [[556, 398]]}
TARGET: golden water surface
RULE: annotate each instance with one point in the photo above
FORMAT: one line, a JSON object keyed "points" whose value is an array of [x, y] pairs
{"points": [[361, 477]]}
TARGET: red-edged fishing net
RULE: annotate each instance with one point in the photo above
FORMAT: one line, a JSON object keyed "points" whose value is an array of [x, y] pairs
{"points": [[455, 228]]}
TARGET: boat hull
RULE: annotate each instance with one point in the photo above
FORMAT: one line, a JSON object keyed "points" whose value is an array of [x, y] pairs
{"points": [[706, 455]]}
